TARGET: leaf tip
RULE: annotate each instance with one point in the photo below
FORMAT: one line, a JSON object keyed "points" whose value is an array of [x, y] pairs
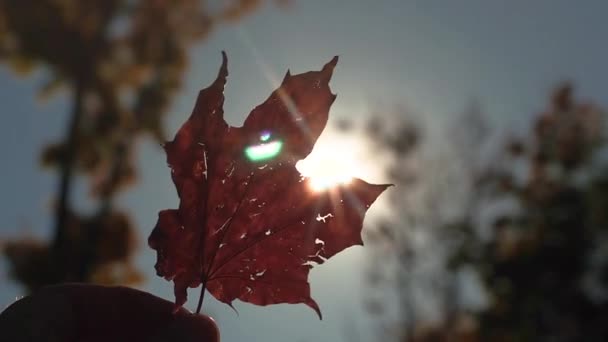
{"points": [[384, 187], [287, 76], [332, 98], [328, 68], [223, 73], [313, 305], [233, 308], [333, 62]]}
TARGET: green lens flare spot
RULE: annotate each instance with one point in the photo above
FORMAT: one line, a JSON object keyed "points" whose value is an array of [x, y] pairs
{"points": [[265, 137], [264, 151]]}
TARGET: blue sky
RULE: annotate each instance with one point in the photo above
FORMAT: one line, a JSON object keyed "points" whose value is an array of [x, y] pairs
{"points": [[433, 56]]}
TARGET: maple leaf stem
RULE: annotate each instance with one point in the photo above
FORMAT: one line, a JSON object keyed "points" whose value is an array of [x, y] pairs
{"points": [[199, 306]]}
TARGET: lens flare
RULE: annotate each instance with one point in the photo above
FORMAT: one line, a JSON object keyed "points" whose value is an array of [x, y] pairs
{"points": [[265, 136], [264, 151], [325, 182]]}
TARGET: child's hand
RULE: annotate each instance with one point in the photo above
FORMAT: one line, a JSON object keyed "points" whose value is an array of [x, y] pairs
{"points": [[91, 313]]}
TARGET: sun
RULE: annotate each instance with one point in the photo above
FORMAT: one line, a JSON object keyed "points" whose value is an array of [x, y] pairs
{"points": [[326, 170], [333, 163], [335, 160]]}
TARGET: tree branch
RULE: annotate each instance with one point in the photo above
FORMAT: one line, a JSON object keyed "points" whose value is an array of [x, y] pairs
{"points": [[60, 241]]}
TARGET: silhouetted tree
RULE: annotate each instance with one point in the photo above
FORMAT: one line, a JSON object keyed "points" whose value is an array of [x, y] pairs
{"points": [[544, 268], [123, 61], [411, 288], [540, 263]]}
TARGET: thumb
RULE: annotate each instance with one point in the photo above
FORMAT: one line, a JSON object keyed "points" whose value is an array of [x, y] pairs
{"points": [[28, 319]]}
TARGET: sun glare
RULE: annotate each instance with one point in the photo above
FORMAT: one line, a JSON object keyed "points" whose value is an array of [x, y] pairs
{"points": [[330, 166], [326, 179]]}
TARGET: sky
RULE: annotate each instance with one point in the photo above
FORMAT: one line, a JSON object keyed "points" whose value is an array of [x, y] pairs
{"points": [[433, 56]]}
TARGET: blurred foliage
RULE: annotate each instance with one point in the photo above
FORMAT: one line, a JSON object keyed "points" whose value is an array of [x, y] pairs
{"points": [[537, 268], [113, 247], [522, 222], [122, 61]]}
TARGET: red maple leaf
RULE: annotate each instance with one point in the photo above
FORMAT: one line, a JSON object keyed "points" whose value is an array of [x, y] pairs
{"points": [[248, 226]]}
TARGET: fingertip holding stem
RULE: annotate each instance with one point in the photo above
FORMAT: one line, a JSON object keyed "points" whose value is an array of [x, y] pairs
{"points": [[192, 327]]}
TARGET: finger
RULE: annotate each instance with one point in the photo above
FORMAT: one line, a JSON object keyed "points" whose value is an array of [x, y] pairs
{"points": [[189, 328]]}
